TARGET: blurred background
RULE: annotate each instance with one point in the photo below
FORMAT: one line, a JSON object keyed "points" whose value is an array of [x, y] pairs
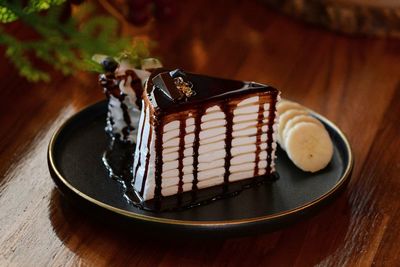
{"points": [[324, 54], [64, 34]]}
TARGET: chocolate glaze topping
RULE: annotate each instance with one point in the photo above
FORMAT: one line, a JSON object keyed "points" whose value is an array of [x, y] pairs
{"points": [[207, 89]]}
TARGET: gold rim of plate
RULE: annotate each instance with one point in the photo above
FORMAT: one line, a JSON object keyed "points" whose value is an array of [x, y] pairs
{"points": [[156, 219]]}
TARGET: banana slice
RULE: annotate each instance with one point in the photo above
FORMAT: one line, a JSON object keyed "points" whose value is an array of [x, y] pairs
{"points": [[297, 119], [284, 118], [309, 146], [285, 105]]}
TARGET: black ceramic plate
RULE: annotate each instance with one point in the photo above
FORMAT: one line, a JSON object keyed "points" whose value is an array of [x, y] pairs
{"points": [[75, 162]]}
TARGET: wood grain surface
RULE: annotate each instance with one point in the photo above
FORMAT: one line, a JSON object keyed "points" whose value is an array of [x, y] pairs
{"points": [[355, 82]]}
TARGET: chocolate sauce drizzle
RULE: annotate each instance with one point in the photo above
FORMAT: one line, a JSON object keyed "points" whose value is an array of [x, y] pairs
{"points": [[111, 86], [228, 109], [182, 133], [260, 119], [196, 145], [159, 130], [271, 120], [128, 128], [136, 85]]}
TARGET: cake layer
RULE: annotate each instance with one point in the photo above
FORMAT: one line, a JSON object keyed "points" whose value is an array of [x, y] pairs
{"points": [[183, 169]]}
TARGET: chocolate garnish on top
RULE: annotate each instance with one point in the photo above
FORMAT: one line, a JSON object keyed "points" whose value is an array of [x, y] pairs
{"points": [[166, 84], [174, 85]]}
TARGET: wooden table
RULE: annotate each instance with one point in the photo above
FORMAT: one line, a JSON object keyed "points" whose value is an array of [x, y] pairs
{"points": [[353, 81]]}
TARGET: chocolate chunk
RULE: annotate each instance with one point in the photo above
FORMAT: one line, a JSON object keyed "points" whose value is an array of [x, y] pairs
{"points": [[166, 84]]}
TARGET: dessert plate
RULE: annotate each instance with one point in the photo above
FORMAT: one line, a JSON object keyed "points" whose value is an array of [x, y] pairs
{"points": [[75, 163]]}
